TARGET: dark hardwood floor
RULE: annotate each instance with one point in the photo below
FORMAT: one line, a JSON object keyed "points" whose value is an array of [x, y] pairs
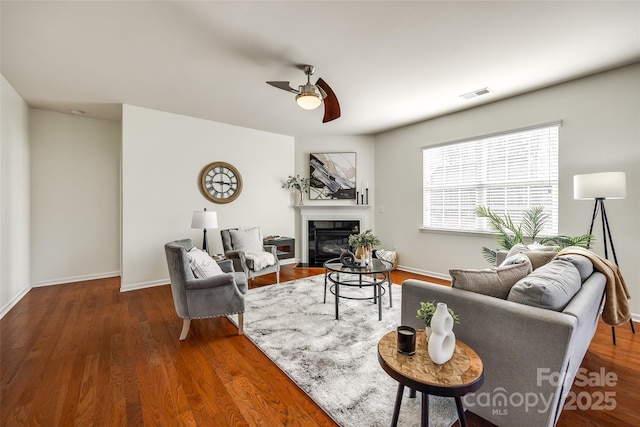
{"points": [[86, 354]]}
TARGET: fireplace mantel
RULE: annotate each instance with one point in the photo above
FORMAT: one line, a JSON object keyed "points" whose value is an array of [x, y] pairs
{"points": [[338, 209], [328, 212]]}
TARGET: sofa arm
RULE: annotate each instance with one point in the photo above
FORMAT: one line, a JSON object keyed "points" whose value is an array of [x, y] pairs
{"points": [[274, 251], [226, 266], [225, 279], [519, 346], [239, 260], [213, 296]]}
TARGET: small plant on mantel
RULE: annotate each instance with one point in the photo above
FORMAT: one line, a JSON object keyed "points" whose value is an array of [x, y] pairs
{"points": [[297, 183], [426, 312]]}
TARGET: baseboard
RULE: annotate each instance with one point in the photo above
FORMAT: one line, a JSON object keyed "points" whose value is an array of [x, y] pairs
{"points": [[76, 279], [289, 261], [8, 306], [143, 285], [424, 272], [161, 282]]}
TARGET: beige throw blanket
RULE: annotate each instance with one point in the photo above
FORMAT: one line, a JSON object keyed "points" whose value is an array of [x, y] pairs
{"points": [[616, 304], [260, 259]]}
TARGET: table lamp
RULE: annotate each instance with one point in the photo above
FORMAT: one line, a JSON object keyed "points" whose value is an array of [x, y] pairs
{"points": [[204, 220]]}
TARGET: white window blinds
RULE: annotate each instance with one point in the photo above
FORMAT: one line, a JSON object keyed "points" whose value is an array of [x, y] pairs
{"points": [[508, 172]]}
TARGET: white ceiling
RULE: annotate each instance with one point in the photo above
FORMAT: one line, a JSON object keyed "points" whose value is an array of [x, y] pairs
{"points": [[390, 63]]}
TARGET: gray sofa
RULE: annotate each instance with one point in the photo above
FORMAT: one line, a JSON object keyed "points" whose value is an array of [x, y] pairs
{"points": [[531, 355]]}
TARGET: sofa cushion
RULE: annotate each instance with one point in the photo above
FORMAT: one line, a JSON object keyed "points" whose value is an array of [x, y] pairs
{"points": [[247, 240], [538, 257], [582, 263], [551, 286], [202, 264], [495, 282], [518, 259], [535, 246]]}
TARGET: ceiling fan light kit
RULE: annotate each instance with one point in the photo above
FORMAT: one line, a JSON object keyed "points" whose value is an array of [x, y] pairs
{"points": [[309, 100], [310, 96]]}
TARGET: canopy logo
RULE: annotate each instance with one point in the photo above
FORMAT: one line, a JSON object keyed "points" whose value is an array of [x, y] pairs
{"points": [[500, 400]]}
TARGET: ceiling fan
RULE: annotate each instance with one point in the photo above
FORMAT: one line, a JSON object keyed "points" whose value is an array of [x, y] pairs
{"points": [[310, 96]]}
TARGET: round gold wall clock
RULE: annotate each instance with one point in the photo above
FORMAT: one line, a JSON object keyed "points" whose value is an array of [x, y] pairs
{"points": [[220, 182]]}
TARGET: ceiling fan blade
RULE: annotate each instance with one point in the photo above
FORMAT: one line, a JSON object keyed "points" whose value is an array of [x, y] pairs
{"points": [[331, 105], [284, 86]]}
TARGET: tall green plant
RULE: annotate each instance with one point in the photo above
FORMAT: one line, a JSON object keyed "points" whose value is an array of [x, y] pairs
{"points": [[508, 234]]}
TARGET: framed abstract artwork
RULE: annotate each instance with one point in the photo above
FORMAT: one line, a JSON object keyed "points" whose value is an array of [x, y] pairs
{"points": [[333, 176]]}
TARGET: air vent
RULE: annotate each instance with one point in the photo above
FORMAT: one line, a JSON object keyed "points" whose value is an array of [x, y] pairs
{"points": [[475, 93]]}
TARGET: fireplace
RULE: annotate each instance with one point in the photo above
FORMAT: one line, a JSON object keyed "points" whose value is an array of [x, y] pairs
{"points": [[327, 239], [335, 223]]}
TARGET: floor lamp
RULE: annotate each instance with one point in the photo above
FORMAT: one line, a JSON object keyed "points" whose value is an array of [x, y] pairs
{"points": [[204, 220], [598, 187]]}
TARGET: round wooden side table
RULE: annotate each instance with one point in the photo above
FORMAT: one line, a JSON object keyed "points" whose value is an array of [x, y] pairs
{"points": [[462, 374]]}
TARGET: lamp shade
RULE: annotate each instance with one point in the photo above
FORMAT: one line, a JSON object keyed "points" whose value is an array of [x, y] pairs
{"points": [[204, 220], [604, 185]]}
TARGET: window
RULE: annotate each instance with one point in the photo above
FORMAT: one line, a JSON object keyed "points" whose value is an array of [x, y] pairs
{"points": [[508, 172]]}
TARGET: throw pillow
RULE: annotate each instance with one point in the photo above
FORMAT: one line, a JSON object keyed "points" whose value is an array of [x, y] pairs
{"points": [[518, 259], [495, 282], [582, 263], [247, 240], [202, 264], [551, 286], [538, 258], [535, 246]]}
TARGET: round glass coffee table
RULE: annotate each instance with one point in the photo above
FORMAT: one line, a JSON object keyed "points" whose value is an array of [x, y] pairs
{"points": [[374, 275], [463, 374]]}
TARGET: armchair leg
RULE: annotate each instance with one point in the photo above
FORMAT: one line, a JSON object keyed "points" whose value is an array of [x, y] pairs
{"points": [[277, 276], [185, 328], [240, 323]]}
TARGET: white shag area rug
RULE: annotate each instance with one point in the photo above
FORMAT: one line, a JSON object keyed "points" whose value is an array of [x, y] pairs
{"points": [[336, 361]]}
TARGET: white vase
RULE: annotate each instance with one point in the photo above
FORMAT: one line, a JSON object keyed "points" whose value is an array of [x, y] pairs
{"points": [[442, 341]]}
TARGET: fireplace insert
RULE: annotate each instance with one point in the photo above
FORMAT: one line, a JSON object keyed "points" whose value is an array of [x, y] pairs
{"points": [[327, 239]]}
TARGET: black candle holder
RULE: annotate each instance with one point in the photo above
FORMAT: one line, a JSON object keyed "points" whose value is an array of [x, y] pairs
{"points": [[406, 336]]}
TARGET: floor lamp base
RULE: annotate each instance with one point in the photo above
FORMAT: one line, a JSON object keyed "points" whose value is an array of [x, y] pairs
{"points": [[613, 331], [606, 233]]}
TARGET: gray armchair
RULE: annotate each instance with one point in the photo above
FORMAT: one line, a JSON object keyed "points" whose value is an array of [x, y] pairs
{"points": [[213, 296], [240, 261]]}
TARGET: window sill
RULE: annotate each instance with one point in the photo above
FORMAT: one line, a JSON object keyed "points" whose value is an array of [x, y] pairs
{"points": [[456, 232]]}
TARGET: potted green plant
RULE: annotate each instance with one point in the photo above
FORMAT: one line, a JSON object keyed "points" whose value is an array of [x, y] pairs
{"points": [[363, 244], [426, 312], [507, 233], [297, 183]]}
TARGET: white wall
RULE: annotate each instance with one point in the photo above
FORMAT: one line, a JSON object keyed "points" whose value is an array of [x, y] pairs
{"points": [[600, 132], [364, 148], [162, 156], [75, 198], [14, 198]]}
